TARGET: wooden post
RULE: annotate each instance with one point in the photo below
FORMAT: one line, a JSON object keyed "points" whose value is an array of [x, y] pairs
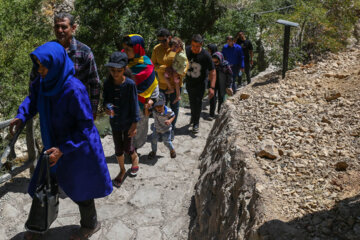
{"points": [[31, 147]]}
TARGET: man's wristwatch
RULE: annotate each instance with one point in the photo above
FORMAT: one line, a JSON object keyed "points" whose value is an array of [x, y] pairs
{"points": [[212, 88]]}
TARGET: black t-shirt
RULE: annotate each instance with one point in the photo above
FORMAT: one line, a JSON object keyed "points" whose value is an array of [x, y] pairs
{"points": [[199, 66], [246, 47]]}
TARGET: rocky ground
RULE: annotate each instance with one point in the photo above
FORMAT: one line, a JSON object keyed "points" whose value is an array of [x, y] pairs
{"points": [[154, 205], [282, 162]]}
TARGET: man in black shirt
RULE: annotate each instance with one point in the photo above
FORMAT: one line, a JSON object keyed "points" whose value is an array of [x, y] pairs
{"points": [[200, 67], [248, 52]]}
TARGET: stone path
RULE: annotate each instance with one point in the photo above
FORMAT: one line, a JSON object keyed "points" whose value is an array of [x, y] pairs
{"points": [[152, 206]]}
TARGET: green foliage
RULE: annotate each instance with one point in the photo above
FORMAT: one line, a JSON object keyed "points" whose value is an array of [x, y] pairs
{"points": [[22, 29], [324, 26], [232, 22], [102, 24]]}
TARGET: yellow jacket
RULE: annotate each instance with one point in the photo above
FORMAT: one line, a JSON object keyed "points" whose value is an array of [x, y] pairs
{"points": [[163, 58]]}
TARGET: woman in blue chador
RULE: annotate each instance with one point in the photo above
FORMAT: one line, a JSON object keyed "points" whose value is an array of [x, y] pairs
{"points": [[68, 133]]}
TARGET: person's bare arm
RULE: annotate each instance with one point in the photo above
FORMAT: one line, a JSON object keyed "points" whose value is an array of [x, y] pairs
{"points": [[212, 77], [169, 121], [132, 130]]}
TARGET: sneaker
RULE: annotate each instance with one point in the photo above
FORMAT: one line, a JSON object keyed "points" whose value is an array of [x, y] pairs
{"points": [[173, 154], [151, 155], [195, 128]]}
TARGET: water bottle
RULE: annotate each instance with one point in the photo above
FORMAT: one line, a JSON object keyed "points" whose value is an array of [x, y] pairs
{"points": [[110, 107]]}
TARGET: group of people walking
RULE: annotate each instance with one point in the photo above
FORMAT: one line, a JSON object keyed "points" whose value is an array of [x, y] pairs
{"points": [[65, 91]]}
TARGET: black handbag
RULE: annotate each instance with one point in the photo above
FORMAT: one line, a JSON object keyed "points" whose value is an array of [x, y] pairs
{"points": [[45, 205]]}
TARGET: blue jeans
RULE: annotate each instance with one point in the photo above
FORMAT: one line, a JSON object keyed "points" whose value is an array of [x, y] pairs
{"points": [[166, 138]]}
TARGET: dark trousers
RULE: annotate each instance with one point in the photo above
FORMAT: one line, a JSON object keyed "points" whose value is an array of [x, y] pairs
{"points": [[247, 72], [87, 208], [87, 213], [196, 94], [220, 100], [175, 107], [123, 143], [235, 69]]}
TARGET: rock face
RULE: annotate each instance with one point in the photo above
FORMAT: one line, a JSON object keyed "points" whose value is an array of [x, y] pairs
{"points": [[227, 195], [269, 169]]}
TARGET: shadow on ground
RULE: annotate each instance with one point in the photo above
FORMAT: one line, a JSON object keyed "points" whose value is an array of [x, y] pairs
{"points": [[339, 223], [342, 222], [20, 185], [272, 79], [143, 159], [58, 233], [16, 185]]}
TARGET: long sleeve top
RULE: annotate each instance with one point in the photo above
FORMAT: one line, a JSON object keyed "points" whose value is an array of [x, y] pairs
{"points": [[82, 170], [125, 103], [234, 55], [163, 58]]}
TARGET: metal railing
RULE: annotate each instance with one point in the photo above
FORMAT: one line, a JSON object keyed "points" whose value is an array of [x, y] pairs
{"points": [[9, 152]]}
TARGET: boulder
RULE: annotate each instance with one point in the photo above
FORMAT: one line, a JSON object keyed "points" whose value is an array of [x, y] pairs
{"points": [[267, 149], [244, 96]]}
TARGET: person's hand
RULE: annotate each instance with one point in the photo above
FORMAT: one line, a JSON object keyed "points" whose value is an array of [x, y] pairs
{"points": [[229, 91], [132, 132], [109, 112], [94, 116], [149, 103], [55, 155], [167, 122], [241, 69], [211, 93], [15, 123], [178, 98], [147, 106]]}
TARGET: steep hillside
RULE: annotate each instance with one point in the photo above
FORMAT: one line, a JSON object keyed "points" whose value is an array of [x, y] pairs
{"points": [[282, 162]]}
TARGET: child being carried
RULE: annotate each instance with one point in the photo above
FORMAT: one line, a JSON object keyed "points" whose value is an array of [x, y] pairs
{"points": [[178, 67]]}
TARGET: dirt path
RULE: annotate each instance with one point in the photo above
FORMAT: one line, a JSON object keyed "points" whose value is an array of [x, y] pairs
{"points": [[154, 205]]}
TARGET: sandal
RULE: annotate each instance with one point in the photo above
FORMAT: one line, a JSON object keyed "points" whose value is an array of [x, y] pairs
{"points": [[151, 155], [117, 183], [84, 233], [118, 180], [134, 171]]}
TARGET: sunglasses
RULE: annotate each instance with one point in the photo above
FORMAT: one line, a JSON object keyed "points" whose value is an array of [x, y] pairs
{"points": [[162, 41]]}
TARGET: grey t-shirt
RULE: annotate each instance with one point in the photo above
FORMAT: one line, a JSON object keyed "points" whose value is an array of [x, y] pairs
{"points": [[160, 118]]}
